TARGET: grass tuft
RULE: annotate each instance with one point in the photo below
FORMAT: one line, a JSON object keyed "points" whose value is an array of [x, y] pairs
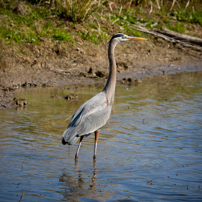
{"points": [[63, 36], [76, 10], [90, 36]]}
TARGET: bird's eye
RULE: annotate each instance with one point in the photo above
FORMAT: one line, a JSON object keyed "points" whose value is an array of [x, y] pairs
{"points": [[123, 37]]}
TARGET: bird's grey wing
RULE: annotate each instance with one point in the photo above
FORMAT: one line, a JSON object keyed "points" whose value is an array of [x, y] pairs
{"points": [[94, 119], [92, 115], [86, 107]]}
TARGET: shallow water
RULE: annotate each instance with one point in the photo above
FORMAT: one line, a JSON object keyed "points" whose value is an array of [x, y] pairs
{"points": [[151, 149]]}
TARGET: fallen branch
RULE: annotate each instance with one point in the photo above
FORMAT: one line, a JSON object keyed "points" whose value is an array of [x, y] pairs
{"points": [[173, 39], [179, 36]]}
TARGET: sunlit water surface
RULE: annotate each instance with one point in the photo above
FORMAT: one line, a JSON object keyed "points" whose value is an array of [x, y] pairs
{"points": [[151, 149]]}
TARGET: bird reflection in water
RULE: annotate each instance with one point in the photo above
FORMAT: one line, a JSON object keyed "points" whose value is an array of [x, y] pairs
{"points": [[92, 185], [81, 184]]}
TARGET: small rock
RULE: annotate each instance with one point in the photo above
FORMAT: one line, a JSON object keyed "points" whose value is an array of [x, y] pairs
{"points": [[101, 74], [71, 97], [90, 71], [20, 102], [80, 50], [131, 81], [122, 65]]}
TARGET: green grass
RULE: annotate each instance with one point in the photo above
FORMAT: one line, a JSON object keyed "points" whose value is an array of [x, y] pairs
{"points": [[197, 17], [63, 36], [27, 29], [46, 22], [18, 28], [18, 36], [125, 22], [188, 16], [91, 36]]}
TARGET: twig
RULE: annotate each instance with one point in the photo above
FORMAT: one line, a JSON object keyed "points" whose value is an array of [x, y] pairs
{"points": [[120, 10], [187, 5], [130, 3], [178, 4], [115, 20], [157, 2], [110, 6], [172, 4], [151, 7]]}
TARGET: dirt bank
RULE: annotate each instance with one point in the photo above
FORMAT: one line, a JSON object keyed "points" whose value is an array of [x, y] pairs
{"points": [[55, 65]]}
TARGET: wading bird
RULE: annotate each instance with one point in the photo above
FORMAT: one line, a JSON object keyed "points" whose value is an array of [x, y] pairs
{"points": [[94, 113]]}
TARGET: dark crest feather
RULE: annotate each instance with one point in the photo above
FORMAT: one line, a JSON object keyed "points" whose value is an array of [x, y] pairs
{"points": [[115, 36]]}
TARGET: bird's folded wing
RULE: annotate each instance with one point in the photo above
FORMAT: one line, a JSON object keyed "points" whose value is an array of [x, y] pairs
{"points": [[87, 107], [92, 115], [94, 120]]}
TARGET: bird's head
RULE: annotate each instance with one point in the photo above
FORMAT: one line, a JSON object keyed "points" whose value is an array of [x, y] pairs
{"points": [[124, 38]]}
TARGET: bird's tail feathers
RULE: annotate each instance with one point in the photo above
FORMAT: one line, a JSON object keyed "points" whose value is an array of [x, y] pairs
{"points": [[70, 136]]}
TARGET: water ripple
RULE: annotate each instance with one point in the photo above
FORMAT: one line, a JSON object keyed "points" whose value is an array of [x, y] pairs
{"points": [[151, 149]]}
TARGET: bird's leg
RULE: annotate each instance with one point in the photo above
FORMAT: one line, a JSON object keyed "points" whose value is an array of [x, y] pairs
{"points": [[95, 145], [76, 155]]}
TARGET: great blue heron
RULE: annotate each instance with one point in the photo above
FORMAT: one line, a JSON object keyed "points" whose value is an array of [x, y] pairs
{"points": [[94, 113]]}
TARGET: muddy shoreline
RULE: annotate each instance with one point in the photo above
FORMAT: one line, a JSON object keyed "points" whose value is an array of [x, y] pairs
{"points": [[54, 66]]}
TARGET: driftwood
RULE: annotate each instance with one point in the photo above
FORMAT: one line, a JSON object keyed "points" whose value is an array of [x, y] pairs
{"points": [[182, 37], [174, 37]]}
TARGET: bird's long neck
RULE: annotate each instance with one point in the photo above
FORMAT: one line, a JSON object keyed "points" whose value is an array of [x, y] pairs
{"points": [[109, 88]]}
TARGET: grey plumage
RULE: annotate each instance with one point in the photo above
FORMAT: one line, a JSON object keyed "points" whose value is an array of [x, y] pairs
{"points": [[83, 120]]}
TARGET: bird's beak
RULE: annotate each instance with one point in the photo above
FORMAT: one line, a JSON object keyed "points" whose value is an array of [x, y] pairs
{"points": [[131, 38]]}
